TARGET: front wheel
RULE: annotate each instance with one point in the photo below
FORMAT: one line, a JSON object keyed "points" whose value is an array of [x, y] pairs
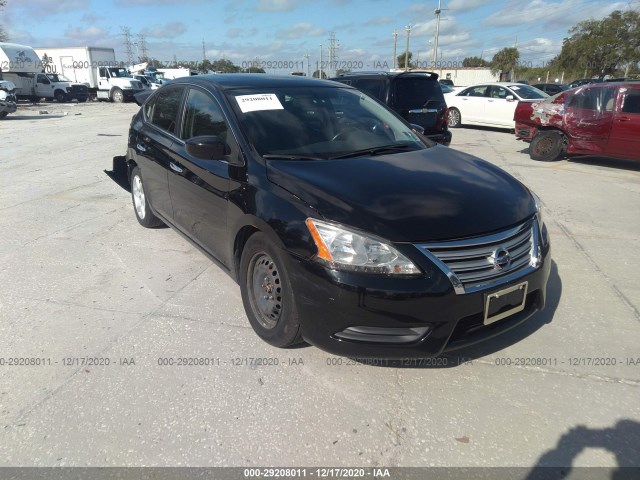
{"points": [[266, 293], [117, 96], [60, 96], [547, 146], [3, 114], [145, 216], [454, 119]]}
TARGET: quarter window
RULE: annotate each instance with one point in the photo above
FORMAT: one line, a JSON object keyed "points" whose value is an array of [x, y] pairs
{"points": [[203, 116], [373, 87], [163, 111]]}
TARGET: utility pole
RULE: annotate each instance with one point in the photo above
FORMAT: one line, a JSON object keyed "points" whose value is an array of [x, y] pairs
{"points": [[438, 11], [126, 32], [395, 43], [204, 51], [513, 67], [406, 52], [320, 69], [308, 66]]}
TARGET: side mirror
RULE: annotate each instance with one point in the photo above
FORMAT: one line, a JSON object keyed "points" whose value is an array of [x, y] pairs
{"points": [[207, 147], [417, 128], [509, 98]]}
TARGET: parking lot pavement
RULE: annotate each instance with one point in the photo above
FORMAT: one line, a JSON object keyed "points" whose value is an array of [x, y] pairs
{"points": [[81, 279]]}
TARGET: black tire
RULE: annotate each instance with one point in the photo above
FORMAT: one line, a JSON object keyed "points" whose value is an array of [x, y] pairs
{"points": [[454, 119], [82, 99], [266, 293], [141, 206], [3, 114], [117, 96], [547, 146], [60, 96]]}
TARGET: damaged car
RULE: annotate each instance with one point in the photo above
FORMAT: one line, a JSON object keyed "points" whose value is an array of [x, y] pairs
{"points": [[341, 225], [7, 97], [601, 119]]}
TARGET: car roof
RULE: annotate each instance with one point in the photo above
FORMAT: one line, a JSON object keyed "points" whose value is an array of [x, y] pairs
{"points": [[410, 73], [227, 81]]}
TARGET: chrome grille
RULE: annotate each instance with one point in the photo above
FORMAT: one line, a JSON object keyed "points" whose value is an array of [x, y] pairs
{"points": [[481, 262]]}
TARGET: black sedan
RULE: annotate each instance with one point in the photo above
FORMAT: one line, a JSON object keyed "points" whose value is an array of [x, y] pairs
{"points": [[551, 88], [342, 225]]}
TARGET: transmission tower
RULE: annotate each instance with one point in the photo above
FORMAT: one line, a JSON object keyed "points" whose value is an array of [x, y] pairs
{"points": [[333, 54], [126, 32], [142, 43]]}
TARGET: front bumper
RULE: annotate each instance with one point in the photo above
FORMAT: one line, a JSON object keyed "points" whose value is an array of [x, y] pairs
{"points": [[330, 302], [8, 107], [129, 93], [525, 132], [443, 138]]}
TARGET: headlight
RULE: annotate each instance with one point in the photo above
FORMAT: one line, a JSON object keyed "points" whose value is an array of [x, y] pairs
{"points": [[345, 249], [3, 95], [536, 198]]}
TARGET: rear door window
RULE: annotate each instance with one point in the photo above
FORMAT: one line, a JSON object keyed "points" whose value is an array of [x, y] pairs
{"points": [[163, 110], [631, 101]]}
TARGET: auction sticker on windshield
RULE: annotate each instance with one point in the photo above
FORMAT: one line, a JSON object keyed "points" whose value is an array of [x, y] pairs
{"points": [[254, 103]]}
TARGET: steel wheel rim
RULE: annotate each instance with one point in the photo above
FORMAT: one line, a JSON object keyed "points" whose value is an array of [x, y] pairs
{"points": [[117, 96], [138, 196], [265, 290], [544, 146], [454, 118]]}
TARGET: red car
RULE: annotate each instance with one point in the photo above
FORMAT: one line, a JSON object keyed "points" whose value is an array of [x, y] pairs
{"points": [[600, 119]]}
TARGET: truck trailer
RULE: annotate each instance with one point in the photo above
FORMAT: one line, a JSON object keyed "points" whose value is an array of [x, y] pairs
{"points": [[94, 67], [20, 65]]}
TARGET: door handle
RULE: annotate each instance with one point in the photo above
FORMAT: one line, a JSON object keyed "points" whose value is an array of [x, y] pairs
{"points": [[623, 119], [140, 147], [176, 168]]}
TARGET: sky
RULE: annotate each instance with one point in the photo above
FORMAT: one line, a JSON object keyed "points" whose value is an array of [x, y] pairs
{"points": [[278, 34]]}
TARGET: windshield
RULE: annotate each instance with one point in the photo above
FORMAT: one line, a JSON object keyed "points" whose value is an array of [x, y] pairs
{"points": [[119, 72], [527, 91], [319, 122], [55, 77]]}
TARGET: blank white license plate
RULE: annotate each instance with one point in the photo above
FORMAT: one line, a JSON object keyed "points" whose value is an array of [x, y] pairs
{"points": [[504, 303]]}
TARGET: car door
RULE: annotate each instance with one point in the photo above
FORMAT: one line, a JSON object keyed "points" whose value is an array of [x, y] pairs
{"points": [[44, 88], [153, 144], [588, 117], [472, 103], [199, 188], [499, 109], [624, 140]]}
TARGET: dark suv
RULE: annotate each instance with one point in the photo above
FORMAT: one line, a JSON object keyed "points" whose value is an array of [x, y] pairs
{"points": [[416, 96]]}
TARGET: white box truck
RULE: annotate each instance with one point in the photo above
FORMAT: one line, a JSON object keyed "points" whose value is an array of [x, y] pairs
{"points": [[20, 64], [95, 67]]}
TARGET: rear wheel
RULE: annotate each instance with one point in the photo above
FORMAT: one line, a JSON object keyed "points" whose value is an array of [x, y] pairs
{"points": [[266, 293], [547, 146], [454, 118], [82, 99], [145, 216], [3, 114]]}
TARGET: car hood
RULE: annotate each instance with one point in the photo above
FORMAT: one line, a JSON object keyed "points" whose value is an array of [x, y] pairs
{"points": [[432, 194]]}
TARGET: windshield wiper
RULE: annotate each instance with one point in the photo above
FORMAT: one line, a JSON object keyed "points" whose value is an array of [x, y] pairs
{"points": [[290, 157], [393, 148]]}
